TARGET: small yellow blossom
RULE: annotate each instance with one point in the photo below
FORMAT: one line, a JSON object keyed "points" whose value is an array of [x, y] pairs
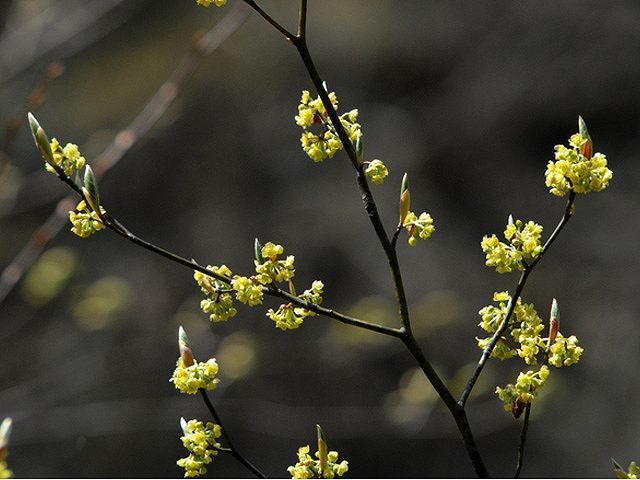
{"points": [[564, 351], [524, 243], [85, 221], [421, 227], [272, 269], [576, 168], [288, 317], [632, 472], [515, 397], [68, 158], [308, 467], [201, 441], [247, 290], [208, 3], [376, 171], [325, 143], [219, 302], [189, 379]]}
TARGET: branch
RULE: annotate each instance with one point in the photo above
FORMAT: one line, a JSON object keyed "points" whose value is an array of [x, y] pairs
{"points": [[232, 449], [523, 439], [302, 20], [486, 353], [287, 34], [122, 143]]}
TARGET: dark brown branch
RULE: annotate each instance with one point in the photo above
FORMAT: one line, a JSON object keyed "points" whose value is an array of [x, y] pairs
{"points": [[523, 440]]}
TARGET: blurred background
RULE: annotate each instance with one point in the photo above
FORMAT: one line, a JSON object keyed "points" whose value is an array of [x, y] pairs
{"points": [[468, 97]]}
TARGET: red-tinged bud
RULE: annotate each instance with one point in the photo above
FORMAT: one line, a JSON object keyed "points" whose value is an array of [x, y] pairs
{"points": [[518, 407], [323, 449], [405, 199], [586, 148], [554, 322], [186, 354]]}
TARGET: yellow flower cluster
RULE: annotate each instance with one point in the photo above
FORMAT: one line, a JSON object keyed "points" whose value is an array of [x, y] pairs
{"points": [[208, 3], [526, 328], [421, 227], [575, 168], [201, 441], [248, 290], [308, 467], [219, 304], [376, 171], [564, 351], [68, 158], [271, 269], [288, 317], [85, 222], [524, 244], [190, 378], [324, 144], [516, 397]]}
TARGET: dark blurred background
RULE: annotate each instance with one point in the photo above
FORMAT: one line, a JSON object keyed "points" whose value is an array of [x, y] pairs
{"points": [[468, 97]]}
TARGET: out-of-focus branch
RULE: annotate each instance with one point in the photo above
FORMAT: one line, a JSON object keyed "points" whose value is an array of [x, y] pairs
{"points": [[203, 45]]}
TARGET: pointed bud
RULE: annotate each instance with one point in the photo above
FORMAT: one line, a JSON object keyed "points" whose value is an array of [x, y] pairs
{"points": [[510, 220], [5, 433], [405, 199], [359, 148], [90, 189], [292, 288], [257, 249], [42, 142], [183, 426], [323, 450], [618, 470], [186, 354], [554, 322], [586, 148]]}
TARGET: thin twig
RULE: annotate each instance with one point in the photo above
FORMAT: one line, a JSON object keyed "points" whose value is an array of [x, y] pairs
{"points": [[287, 34], [523, 440], [486, 353], [302, 20], [225, 433], [122, 143]]}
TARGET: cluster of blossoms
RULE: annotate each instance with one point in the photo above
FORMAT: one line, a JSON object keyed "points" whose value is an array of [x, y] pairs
{"points": [[526, 327], [270, 268], [85, 221], [190, 378], [190, 375], [324, 144], [219, 302], [524, 243], [68, 158], [5, 432], [576, 167], [288, 317], [516, 397], [376, 171], [201, 441], [632, 472], [208, 3], [418, 227], [308, 467]]}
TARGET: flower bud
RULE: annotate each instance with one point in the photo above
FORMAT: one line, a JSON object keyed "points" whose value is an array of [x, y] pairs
{"points": [[42, 142], [257, 248], [586, 148], [554, 322], [5, 432], [405, 199], [359, 149], [183, 426], [186, 354], [90, 190], [322, 449]]}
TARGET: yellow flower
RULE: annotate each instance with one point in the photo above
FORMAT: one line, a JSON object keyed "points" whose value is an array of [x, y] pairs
{"points": [[85, 222], [189, 379], [376, 171], [208, 3]]}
